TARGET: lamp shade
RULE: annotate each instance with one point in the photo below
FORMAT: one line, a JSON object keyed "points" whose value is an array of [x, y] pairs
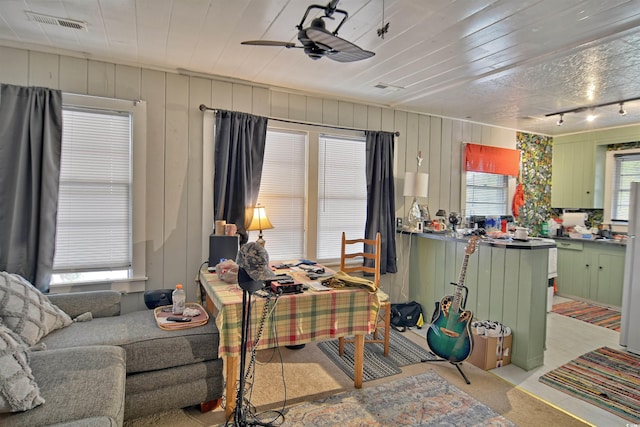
{"points": [[416, 184], [260, 220]]}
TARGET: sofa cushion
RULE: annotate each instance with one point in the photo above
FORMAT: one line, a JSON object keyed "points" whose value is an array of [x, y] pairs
{"points": [[148, 347], [27, 311], [84, 383], [190, 385], [18, 389]]}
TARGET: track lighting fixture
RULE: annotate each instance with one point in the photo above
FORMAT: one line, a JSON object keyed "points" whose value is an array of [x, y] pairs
{"points": [[591, 109], [622, 111]]}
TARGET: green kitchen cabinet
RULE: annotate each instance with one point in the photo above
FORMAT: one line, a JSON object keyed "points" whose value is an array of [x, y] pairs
{"points": [[591, 270], [609, 276], [574, 271], [577, 174]]}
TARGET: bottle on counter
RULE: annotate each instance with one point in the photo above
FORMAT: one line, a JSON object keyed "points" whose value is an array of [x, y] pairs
{"points": [[179, 299]]}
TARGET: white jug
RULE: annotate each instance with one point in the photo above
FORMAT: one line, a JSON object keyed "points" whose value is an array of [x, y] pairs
{"points": [[521, 233]]}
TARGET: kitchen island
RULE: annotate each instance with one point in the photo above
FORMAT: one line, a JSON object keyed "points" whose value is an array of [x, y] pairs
{"points": [[507, 282]]}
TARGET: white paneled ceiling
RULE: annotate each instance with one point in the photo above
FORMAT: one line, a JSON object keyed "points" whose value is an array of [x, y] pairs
{"points": [[507, 63]]}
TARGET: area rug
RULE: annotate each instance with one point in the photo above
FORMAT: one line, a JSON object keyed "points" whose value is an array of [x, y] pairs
{"points": [[590, 313], [402, 352], [421, 400], [607, 378]]}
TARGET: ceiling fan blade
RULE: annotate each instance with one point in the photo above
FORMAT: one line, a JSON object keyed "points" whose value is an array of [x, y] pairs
{"points": [[350, 56], [288, 45], [339, 49]]}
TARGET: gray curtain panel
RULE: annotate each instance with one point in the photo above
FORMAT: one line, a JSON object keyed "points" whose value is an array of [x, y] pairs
{"points": [[30, 146], [239, 153], [381, 208]]}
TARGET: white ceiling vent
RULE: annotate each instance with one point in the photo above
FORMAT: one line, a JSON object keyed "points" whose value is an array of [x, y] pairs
{"points": [[60, 22]]}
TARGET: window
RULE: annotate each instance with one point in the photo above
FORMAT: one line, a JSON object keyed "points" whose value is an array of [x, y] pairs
{"points": [[313, 187], [93, 235], [627, 170], [99, 220], [486, 194], [283, 193], [342, 193]]}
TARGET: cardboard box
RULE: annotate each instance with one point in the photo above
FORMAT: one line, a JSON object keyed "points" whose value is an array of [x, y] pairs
{"points": [[490, 352]]}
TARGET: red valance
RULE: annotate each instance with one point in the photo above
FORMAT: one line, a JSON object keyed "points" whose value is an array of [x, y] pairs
{"points": [[484, 158]]}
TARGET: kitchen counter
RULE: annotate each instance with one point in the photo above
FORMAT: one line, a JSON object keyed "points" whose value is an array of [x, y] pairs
{"points": [[532, 244], [507, 281], [594, 241]]}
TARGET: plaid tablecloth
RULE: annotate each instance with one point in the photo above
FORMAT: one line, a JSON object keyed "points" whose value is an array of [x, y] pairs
{"points": [[290, 319]]}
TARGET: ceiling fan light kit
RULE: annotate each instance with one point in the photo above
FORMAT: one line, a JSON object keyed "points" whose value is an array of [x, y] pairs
{"points": [[317, 41]]}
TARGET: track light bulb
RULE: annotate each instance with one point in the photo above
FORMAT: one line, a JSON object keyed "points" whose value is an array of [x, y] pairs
{"points": [[622, 111], [560, 120]]}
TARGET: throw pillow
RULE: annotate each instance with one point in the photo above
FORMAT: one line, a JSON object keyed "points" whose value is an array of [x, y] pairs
{"points": [[26, 311], [18, 388]]}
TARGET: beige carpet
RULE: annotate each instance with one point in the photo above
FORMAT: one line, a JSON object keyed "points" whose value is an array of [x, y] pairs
{"points": [[308, 374]]}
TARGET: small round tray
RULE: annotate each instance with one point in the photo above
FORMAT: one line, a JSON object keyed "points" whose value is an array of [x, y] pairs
{"points": [[161, 315]]}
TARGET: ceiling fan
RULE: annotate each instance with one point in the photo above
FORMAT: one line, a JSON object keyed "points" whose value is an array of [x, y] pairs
{"points": [[317, 41]]}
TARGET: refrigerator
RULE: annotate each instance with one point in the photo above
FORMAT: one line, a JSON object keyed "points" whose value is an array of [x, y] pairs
{"points": [[630, 322]]}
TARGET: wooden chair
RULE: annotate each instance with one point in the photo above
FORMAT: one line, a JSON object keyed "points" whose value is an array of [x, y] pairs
{"points": [[384, 315]]}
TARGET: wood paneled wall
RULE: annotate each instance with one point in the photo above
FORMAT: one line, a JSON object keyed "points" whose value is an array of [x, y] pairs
{"points": [[174, 168]]}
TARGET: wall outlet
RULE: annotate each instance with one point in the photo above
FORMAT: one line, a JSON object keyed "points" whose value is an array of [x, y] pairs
{"points": [[398, 223]]}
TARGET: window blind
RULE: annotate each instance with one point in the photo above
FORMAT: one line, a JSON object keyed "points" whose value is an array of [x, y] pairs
{"points": [[94, 206], [627, 170], [342, 193], [486, 194], [282, 193]]}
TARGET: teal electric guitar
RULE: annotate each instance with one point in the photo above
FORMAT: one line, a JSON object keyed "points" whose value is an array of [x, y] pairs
{"points": [[449, 335]]}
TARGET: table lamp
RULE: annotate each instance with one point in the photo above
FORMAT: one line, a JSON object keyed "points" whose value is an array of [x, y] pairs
{"points": [[416, 184], [260, 222]]}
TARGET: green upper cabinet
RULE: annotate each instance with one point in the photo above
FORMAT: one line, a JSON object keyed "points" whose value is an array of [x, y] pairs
{"points": [[577, 173]]}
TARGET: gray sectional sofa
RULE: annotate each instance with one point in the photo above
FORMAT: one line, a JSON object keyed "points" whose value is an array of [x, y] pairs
{"points": [[116, 367]]}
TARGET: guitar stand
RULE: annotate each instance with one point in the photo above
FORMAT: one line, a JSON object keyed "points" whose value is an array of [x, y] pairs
{"points": [[456, 364], [463, 303]]}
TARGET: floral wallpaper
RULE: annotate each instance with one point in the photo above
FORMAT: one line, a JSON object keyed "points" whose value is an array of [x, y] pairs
{"points": [[535, 175]]}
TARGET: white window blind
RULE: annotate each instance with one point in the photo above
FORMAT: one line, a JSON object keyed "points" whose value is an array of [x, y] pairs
{"points": [[486, 194], [282, 193], [627, 170], [342, 193], [94, 207]]}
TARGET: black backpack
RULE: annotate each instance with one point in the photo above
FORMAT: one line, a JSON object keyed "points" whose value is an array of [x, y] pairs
{"points": [[406, 315]]}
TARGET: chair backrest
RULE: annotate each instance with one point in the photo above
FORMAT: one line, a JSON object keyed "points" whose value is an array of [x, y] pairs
{"points": [[348, 253]]}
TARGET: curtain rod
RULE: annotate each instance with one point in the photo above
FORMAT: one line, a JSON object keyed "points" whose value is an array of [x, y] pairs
{"points": [[205, 108]]}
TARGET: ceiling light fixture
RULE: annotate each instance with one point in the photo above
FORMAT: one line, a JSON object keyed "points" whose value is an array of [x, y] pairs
{"points": [[622, 111], [591, 109], [592, 115]]}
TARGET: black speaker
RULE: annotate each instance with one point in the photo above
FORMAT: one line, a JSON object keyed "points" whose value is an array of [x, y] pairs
{"points": [[222, 247], [158, 298]]}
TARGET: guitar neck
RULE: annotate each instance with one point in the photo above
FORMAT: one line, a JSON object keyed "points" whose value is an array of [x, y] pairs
{"points": [[457, 298]]}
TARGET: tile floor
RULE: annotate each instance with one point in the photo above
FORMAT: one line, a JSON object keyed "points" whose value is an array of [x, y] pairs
{"points": [[567, 339]]}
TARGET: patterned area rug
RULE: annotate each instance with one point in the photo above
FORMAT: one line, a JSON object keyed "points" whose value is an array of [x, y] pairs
{"points": [[590, 313], [402, 352], [422, 400], [607, 378]]}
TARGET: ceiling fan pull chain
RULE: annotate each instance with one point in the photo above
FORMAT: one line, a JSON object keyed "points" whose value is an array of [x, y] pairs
{"points": [[385, 27]]}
